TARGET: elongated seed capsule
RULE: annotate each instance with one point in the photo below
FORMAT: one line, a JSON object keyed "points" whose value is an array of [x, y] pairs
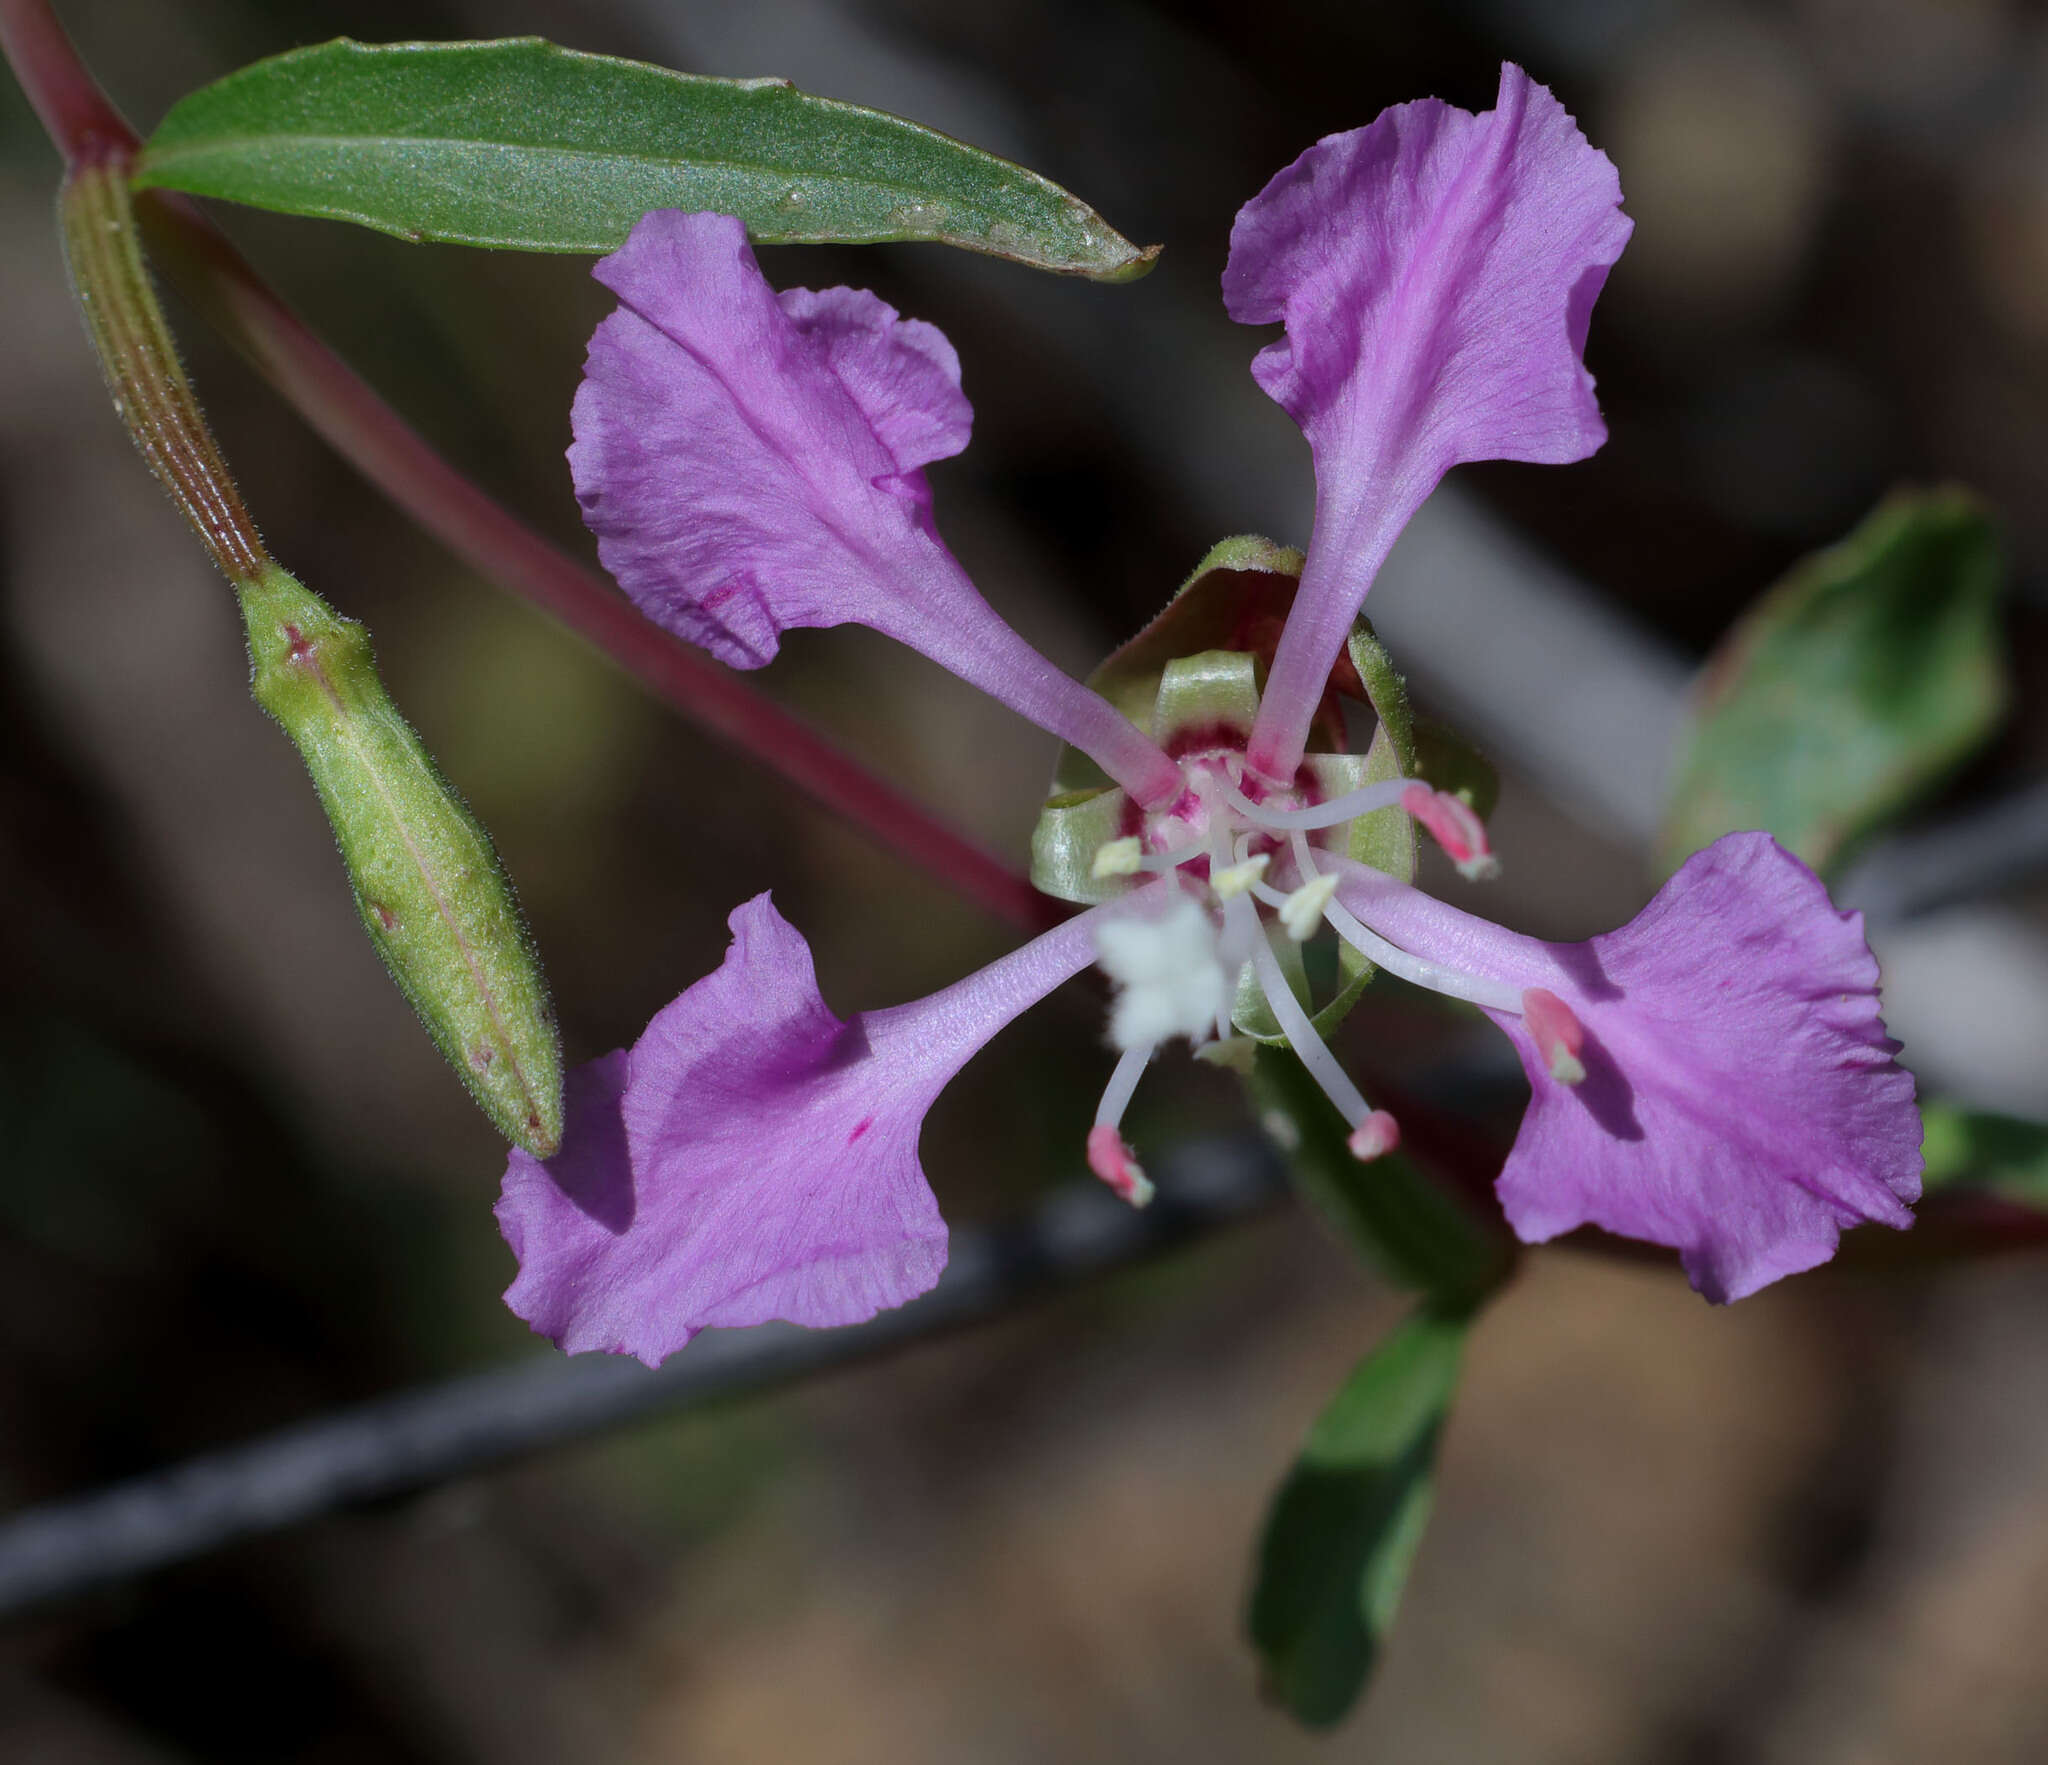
{"points": [[437, 906]]}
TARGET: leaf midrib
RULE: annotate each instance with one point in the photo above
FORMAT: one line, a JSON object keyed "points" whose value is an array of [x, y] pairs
{"points": [[154, 158]]}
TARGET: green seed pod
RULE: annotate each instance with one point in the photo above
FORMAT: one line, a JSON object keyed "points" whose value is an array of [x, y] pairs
{"points": [[438, 908]]}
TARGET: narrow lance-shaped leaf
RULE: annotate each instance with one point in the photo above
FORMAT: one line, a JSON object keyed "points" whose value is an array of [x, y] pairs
{"points": [[438, 909], [1856, 685], [525, 145], [1345, 1526]]}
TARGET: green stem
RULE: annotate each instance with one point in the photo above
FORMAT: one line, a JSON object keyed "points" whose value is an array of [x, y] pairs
{"points": [[141, 366]]}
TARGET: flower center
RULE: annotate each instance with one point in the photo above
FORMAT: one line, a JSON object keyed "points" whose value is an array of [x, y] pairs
{"points": [[1254, 886]]}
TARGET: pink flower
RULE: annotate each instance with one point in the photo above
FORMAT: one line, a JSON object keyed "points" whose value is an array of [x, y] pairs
{"points": [[1714, 1076]]}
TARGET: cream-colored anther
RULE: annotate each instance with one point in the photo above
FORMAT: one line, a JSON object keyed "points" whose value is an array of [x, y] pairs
{"points": [[1234, 879], [1302, 911], [1121, 857]]}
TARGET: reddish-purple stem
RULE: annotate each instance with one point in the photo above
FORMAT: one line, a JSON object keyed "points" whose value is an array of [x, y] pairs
{"points": [[368, 433]]}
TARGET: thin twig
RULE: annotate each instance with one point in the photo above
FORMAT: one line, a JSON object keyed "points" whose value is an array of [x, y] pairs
{"points": [[434, 1435], [430, 1436]]}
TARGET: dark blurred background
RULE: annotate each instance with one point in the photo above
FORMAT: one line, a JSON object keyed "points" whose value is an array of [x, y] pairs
{"points": [[239, 1188]]}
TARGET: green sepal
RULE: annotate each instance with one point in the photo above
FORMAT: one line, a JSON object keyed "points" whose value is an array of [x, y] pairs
{"points": [[1212, 690], [1217, 689], [1416, 1232], [1385, 688], [1236, 598], [438, 908], [1071, 829], [1344, 1528], [523, 145], [1854, 687]]}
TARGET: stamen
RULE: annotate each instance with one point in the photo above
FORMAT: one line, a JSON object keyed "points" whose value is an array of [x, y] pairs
{"points": [[1302, 911], [1374, 1137], [1234, 879], [1114, 1162], [1124, 857], [1416, 970], [1557, 1033], [1386, 795], [1173, 860], [1123, 1083], [1108, 1156], [1301, 1035], [1455, 828]]}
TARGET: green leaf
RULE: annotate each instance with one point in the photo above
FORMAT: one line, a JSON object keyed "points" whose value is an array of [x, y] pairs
{"points": [[2001, 1154], [524, 145], [1345, 1525], [1412, 1229], [1855, 686]]}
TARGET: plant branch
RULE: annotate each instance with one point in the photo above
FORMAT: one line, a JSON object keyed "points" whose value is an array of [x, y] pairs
{"points": [[417, 1439], [379, 443]]}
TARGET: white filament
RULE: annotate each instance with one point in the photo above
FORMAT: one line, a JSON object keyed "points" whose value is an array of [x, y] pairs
{"points": [[1363, 801], [1165, 861], [1123, 1083], [1419, 970], [1301, 1035]]}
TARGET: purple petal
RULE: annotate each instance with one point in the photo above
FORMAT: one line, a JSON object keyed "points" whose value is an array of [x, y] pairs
{"points": [[751, 462], [902, 373], [1740, 1104], [754, 1157], [1436, 272]]}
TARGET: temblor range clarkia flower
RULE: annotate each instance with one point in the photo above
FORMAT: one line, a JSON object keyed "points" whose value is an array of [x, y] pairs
{"points": [[1714, 1076]]}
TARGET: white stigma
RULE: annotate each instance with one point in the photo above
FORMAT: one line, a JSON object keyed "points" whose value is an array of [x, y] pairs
{"points": [[1118, 858], [1170, 978]]}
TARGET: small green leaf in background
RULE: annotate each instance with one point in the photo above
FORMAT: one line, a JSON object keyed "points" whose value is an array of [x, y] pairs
{"points": [[1345, 1525], [1859, 683], [524, 145], [2000, 1154]]}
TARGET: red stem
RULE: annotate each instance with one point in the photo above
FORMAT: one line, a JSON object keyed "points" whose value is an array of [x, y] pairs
{"points": [[66, 97], [380, 444]]}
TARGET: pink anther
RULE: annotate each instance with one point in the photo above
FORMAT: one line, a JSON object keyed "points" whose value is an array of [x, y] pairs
{"points": [[1452, 823], [1374, 1137], [1115, 1163], [1557, 1033]]}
